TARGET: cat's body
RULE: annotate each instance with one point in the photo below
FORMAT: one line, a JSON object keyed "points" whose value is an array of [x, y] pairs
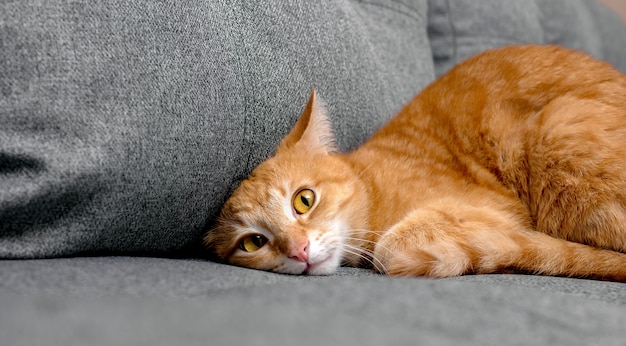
{"points": [[515, 159]]}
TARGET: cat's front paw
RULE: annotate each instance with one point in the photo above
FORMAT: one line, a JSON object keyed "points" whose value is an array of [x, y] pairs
{"points": [[420, 249], [429, 262]]}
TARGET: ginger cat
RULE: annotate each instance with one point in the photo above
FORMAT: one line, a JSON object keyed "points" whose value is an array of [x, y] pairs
{"points": [[513, 160]]}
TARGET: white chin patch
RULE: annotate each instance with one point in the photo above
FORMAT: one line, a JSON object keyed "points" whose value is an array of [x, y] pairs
{"points": [[292, 267], [324, 258], [326, 267]]}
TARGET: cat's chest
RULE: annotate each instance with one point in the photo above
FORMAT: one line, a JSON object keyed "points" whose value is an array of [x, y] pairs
{"points": [[399, 184]]}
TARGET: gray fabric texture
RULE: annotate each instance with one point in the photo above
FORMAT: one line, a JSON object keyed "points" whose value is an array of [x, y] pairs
{"points": [[149, 301], [460, 29], [125, 125]]}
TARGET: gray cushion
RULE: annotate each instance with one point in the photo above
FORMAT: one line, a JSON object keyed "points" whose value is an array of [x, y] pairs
{"points": [[149, 301], [124, 125], [460, 29]]}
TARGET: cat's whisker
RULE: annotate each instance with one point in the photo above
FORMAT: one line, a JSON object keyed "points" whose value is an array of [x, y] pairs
{"points": [[359, 234], [364, 251], [358, 252], [367, 231], [380, 268], [367, 251], [362, 240], [369, 242]]}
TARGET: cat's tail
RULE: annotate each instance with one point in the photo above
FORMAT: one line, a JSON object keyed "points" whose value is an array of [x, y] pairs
{"points": [[539, 253]]}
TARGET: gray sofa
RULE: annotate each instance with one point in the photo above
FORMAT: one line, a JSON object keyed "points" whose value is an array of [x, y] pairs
{"points": [[125, 125]]}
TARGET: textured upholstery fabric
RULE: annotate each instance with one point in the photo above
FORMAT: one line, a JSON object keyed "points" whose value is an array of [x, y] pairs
{"points": [[148, 301], [460, 29], [124, 125]]}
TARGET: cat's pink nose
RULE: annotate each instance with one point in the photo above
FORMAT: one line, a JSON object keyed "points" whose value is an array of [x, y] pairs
{"points": [[299, 253]]}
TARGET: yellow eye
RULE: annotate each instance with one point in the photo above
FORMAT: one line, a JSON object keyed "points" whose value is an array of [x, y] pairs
{"points": [[252, 243], [303, 201]]}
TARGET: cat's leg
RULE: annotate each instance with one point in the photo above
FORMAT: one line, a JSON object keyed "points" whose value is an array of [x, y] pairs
{"points": [[445, 240], [577, 167], [451, 240]]}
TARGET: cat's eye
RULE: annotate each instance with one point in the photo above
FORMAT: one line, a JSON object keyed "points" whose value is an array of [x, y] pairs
{"points": [[303, 201], [252, 243]]}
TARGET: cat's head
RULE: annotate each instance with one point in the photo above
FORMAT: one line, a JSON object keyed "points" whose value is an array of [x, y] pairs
{"points": [[295, 212]]}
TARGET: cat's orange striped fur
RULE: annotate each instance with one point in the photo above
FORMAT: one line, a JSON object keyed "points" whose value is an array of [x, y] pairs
{"points": [[513, 160]]}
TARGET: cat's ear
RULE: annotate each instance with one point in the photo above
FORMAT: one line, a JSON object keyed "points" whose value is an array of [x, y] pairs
{"points": [[312, 132]]}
